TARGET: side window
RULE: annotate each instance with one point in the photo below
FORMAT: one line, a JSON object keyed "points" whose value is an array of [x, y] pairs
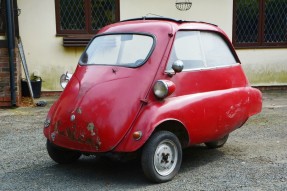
{"points": [[217, 52], [199, 50], [187, 48]]}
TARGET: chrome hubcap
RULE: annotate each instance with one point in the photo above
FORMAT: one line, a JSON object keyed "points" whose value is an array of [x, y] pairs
{"points": [[165, 157]]}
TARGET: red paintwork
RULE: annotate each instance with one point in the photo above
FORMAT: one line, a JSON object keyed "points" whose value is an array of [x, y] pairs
{"points": [[170, 85], [110, 103]]}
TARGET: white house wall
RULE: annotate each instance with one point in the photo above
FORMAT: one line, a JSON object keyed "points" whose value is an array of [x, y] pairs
{"points": [[44, 51], [218, 12], [47, 57], [265, 67]]}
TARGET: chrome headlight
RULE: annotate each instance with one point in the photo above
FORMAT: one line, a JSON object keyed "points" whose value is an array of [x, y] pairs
{"points": [[163, 88], [64, 79]]}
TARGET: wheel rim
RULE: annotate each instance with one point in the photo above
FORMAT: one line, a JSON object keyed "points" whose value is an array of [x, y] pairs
{"points": [[165, 157]]}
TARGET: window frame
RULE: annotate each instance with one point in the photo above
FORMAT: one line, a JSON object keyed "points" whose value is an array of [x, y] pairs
{"points": [[261, 26], [169, 70], [88, 29], [123, 33]]}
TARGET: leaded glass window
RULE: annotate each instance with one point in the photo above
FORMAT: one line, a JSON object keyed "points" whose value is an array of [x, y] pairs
{"points": [[3, 17], [72, 15], [85, 16], [260, 23], [275, 30], [103, 13]]}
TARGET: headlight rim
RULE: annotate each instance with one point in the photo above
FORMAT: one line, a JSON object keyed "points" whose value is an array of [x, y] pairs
{"points": [[166, 89]]}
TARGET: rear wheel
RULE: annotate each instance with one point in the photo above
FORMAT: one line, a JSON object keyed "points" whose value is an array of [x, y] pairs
{"points": [[218, 143], [161, 157], [62, 156]]}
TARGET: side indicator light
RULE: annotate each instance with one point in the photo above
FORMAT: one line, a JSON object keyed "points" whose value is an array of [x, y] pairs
{"points": [[137, 135]]}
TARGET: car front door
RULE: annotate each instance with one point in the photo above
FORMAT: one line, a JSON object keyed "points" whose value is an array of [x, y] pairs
{"points": [[212, 78]]}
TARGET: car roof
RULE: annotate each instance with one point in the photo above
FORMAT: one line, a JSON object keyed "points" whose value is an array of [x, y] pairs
{"points": [[156, 24], [179, 21]]}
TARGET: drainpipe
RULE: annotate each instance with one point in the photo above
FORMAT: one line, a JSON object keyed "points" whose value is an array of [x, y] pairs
{"points": [[11, 47]]}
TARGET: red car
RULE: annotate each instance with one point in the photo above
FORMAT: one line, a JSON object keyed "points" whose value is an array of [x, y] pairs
{"points": [[151, 86]]}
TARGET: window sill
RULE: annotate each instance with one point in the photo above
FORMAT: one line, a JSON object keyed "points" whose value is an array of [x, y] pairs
{"points": [[258, 46]]}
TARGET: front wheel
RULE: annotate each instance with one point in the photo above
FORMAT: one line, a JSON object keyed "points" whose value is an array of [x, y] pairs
{"points": [[62, 156], [218, 143], [161, 157]]}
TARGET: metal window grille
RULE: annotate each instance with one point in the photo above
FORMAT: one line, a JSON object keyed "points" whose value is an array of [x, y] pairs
{"points": [[247, 21], [260, 23], [2, 17], [275, 30], [72, 15], [103, 13], [85, 16]]}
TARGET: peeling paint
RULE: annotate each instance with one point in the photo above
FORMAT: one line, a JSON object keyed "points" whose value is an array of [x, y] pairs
{"points": [[55, 132], [70, 134], [53, 136], [91, 128], [233, 111], [56, 127], [98, 142], [79, 111], [88, 136]]}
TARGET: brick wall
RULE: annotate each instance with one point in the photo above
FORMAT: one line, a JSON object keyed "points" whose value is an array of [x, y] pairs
{"points": [[5, 92]]}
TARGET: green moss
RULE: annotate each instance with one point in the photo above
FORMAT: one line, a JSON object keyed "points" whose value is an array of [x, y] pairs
{"points": [[51, 82], [267, 77], [51, 79]]}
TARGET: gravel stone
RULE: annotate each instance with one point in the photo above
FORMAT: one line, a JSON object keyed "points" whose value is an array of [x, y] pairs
{"points": [[253, 159]]}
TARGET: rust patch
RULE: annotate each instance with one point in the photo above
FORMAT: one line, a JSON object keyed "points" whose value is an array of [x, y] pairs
{"points": [[53, 136], [91, 128], [95, 140], [55, 132], [98, 143], [88, 136], [79, 111], [56, 129], [71, 134]]}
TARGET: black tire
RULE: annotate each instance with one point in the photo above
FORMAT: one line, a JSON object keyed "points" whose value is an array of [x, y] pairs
{"points": [[218, 143], [62, 156], [161, 157]]}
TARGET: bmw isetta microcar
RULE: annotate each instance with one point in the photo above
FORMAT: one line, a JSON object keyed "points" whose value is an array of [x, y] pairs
{"points": [[151, 86]]}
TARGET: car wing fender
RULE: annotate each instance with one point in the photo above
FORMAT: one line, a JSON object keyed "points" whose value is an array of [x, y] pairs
{"points": [[255, 101], [48, 119], [193, 111], [152, 116]]}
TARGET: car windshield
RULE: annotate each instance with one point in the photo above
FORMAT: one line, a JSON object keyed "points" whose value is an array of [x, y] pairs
{"points": [[130, 50]]}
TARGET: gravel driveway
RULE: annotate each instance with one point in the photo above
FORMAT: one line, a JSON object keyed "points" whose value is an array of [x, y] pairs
{"points": [[254, 158]]}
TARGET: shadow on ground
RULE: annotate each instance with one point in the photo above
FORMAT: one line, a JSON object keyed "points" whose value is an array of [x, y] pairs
{"points": [[91, 171]]}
